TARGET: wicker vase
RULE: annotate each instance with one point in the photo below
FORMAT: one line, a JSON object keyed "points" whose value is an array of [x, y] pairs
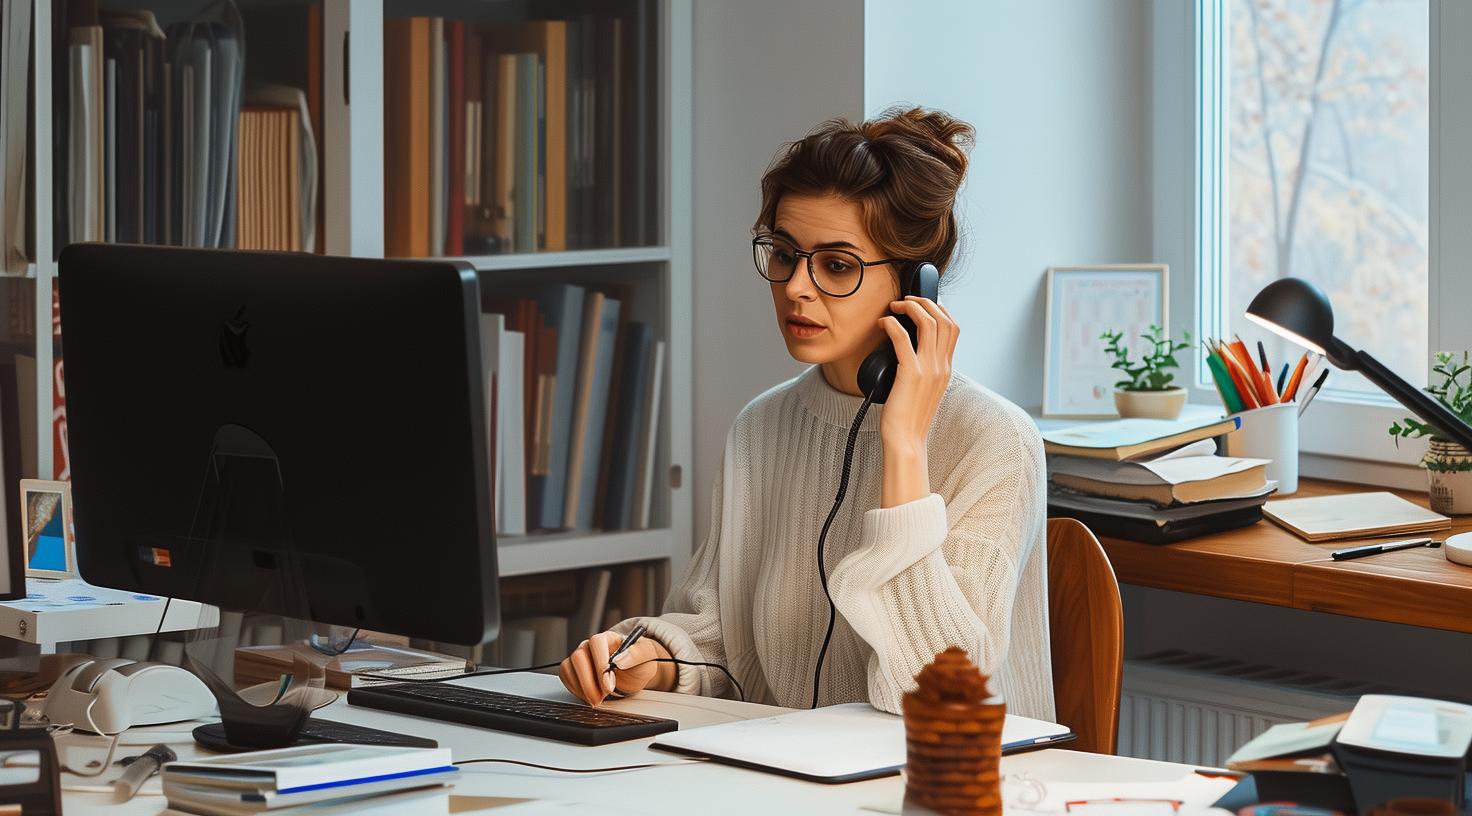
{"points": [[953, 739]]}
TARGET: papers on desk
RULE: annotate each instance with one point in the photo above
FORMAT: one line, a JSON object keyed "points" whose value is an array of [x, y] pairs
{"points": [[840, 743]]}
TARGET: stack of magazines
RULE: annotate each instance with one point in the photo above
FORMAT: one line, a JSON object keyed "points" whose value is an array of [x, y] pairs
{"points": [[318, 779], [1151, 480]]}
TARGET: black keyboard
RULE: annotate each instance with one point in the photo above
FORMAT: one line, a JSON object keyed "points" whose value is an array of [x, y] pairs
{"points": [[568, 722]]}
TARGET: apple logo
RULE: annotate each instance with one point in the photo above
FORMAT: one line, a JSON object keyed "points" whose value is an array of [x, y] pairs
{"points": [[233, 349]]}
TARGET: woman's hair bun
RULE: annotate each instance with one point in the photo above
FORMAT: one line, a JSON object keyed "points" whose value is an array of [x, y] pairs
{"points": [[904, 168], [934, 132]]}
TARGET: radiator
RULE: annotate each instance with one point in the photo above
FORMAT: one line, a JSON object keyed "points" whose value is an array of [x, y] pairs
{"points": [[1197, 709]]}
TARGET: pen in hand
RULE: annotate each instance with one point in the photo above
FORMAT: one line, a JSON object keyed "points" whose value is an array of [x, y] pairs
{"points": [[633, 637]]}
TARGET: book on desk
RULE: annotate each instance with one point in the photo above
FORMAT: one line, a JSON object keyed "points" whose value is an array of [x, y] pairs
{"points": [[1153, 481]]}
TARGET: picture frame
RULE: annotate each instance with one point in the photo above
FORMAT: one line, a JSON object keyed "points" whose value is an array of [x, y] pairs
{"points": [[1082, 303], [48, 534]]}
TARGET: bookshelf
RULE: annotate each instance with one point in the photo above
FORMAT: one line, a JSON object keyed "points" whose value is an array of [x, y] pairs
{"points": [[651, 256]]}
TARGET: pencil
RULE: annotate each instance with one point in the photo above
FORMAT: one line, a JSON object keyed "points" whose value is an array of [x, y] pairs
{"points": [[1262, 356], [1290, 390], [1239, 377], [1224, 387]]}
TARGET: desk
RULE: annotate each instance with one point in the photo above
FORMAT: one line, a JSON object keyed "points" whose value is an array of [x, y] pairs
{"points": [[1267, 564], [681, 788]]}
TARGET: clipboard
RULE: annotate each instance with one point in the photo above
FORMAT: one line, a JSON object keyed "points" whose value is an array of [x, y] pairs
{"points": [[833, 744]]}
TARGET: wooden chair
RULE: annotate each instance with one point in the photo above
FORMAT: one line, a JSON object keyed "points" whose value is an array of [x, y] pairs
{"points": [[1087, 623]]}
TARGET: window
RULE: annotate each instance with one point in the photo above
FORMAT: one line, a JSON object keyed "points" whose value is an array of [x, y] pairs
{"points": [[1317, 147], [1327, 140]]}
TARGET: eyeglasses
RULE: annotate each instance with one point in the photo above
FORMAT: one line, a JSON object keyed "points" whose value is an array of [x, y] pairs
{"points": [[836, 272]]}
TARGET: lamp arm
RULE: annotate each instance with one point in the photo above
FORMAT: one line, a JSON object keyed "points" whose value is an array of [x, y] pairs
{"points": [[1418, 402]]}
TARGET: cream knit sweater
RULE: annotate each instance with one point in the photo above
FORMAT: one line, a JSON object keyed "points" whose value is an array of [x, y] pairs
{"points": [[964, 566]]}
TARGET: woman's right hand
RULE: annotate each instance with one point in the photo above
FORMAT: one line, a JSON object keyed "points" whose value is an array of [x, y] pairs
{"points": [[585, 673]]}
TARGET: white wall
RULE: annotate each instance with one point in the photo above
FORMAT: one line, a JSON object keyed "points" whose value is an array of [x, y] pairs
{"points": [[1058, 91], [766, 71]]}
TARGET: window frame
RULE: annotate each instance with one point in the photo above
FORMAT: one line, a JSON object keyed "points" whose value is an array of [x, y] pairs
{"points": [[1347, 438]]}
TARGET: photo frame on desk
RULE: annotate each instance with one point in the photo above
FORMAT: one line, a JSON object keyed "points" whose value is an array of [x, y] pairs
{"points": [[1083, 302], [47, 531]]}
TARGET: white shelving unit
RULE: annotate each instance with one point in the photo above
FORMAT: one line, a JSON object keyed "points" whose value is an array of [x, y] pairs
{"points": [[353, 201]]}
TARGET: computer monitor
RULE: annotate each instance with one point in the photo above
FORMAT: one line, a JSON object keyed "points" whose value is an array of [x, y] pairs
{"points": [[289, 433]]}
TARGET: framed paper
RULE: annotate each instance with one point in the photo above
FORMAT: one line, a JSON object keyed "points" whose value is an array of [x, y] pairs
{"points": [[1083, 303], [46, 526]]}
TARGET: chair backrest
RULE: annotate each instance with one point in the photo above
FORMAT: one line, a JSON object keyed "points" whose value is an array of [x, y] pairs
{"points": [[1087, 624]]}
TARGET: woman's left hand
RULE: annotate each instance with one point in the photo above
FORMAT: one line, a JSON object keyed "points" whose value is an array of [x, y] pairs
{"points": [[924, 372]]}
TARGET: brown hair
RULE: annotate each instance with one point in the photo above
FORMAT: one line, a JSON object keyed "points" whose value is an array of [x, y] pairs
{"points": [[903, 168]]}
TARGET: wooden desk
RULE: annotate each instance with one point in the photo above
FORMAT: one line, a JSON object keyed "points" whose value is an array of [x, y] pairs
{"points": [[1266, 564]]}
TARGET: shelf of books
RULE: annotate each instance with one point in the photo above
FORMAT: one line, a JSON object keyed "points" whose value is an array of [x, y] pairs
{"points": [[547, 144]]}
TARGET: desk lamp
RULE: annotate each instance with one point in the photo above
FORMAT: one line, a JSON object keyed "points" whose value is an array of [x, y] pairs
{"points": [[1297, 310]]}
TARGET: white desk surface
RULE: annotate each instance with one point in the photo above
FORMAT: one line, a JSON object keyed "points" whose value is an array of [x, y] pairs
{"points": [[680, 788]]}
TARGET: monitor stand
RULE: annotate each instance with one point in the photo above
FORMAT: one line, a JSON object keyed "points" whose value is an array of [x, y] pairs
{"points": [[245, 560]]}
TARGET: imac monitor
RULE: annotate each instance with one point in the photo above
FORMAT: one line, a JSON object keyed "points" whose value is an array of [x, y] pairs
{"points": [[287, 433]]}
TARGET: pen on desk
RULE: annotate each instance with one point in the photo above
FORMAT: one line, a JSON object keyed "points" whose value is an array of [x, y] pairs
{"points": [[1313, 391], [1374, 549], [634, 635]]}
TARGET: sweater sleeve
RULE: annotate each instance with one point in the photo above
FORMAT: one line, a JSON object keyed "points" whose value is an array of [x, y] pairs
{"points": [[690, 625], [918, 584]]}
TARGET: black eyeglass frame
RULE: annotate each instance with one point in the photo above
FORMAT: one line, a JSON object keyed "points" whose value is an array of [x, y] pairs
{"points": [[767, 239]]}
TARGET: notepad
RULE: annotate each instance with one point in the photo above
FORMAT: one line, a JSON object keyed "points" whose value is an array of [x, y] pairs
{"points": [[841, 743], [1353, 515]]}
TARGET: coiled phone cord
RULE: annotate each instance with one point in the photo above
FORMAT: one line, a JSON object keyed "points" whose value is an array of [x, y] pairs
{"points": [[848, 458]]}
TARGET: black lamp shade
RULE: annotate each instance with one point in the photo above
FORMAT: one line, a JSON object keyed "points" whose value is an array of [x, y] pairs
{"points": [[1298, 310]]}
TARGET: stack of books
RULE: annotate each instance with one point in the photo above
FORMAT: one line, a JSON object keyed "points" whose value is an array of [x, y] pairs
{"points": [[158, 138], [520, 136], [1155, 481], [573, 391], [310, 778]]}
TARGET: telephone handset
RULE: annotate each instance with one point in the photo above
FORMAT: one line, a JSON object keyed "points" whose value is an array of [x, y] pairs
{"points": [[877, 372]]}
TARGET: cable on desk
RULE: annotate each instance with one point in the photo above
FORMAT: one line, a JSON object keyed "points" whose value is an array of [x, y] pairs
{"points": [[729, 676], [611, 769]]}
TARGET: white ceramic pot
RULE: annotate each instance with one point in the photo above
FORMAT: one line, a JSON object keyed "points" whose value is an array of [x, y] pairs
{"points": [[1449, 470], [1165, 404]]}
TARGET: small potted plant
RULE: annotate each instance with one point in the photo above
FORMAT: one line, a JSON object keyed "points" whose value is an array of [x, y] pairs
{"points": [[1448, 464], [1146, 390]]}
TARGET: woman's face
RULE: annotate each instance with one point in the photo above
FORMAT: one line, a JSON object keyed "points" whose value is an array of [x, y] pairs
{"points": [[848, 326]]}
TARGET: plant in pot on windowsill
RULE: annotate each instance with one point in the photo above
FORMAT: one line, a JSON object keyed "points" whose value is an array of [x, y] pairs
{"points": [[1147, 390], [1448, 464]]}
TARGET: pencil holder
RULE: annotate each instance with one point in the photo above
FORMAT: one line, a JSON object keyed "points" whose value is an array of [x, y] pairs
{"points": [[1270, 432]]}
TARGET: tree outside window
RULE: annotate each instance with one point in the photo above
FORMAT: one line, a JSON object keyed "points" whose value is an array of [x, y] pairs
{"points": [[1328, 179]]}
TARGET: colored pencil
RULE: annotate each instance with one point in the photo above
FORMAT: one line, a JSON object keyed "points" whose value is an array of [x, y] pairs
{"points": [[1239, 378], [1292, 388], [1224, 387]]}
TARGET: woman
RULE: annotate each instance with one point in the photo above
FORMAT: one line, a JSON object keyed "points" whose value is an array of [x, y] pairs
{"points": [[939, 540]]}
